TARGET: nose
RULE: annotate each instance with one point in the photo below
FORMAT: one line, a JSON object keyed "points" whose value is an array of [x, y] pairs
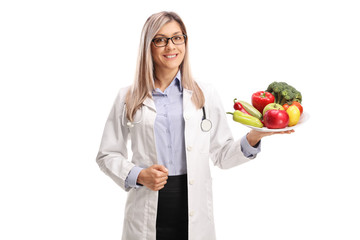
{"points": [[170, 45]]}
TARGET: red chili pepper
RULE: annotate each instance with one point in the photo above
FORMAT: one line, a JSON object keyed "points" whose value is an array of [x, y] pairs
{"points": [[238, 106]]}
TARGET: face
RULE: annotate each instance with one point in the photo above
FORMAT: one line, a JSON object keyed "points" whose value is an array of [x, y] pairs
{"points": [[171, 56]]}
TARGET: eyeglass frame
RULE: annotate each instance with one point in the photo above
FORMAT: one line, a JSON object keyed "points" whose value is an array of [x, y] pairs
{"points": [[167, 40]]}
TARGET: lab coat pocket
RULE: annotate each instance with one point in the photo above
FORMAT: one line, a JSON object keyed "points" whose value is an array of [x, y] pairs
{"points": [[131, 204]]}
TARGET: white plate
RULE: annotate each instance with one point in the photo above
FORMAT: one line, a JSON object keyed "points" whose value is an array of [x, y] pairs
{"points": [[303, 118]]}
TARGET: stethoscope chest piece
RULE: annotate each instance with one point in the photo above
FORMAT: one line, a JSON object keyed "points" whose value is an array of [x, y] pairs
{"points": [[206, 125]]}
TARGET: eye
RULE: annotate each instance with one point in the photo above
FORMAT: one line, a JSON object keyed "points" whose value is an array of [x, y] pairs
{"points": [[159, 40], [178, 38]]}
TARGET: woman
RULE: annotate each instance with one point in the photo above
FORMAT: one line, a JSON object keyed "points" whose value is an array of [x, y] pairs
{"points": [[168, 178]]}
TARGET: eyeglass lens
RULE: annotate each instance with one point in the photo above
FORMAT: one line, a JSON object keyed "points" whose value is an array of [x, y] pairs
{"points": [[163, 41]]}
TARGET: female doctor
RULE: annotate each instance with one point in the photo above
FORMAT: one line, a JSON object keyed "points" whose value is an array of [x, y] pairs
{"points": [[175, 126]]}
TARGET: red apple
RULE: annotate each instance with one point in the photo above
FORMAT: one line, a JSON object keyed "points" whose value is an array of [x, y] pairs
{"points": [[275, 118]]}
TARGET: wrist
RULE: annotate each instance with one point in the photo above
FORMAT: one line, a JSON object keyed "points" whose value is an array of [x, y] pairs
{"points": [[252, 138], [140, 177]]}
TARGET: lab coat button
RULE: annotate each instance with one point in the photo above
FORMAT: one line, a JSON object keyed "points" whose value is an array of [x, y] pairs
{"points": [[187, 116], [191, 182], [192, 213], [189, 148]]}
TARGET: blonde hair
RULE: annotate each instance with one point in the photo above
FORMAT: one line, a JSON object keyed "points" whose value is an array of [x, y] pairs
{"points": [[144, 76]]}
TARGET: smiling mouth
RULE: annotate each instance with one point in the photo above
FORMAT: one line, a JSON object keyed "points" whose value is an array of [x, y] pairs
{"points": [[170, 56]]}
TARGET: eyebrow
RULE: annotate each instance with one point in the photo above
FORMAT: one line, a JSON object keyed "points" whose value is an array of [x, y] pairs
{"points": [[175, 33]]}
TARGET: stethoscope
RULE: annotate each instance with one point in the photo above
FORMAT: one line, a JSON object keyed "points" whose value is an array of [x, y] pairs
{"points": [[205, 124], [130, 124]]}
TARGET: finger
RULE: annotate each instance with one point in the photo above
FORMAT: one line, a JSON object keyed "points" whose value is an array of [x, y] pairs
{"points": [[265, 134], [163, 169], [290, 131], [161, 184], [162, 179], [287, 132], [158, 181], [159, 175], [160, 168], [157, 187], [156, 171]]}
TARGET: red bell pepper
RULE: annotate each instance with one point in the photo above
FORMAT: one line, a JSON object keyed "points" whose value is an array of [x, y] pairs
{"points": [[260, 99], [239, 106]]}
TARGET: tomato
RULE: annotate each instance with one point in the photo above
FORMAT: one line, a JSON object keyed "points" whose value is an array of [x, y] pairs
{"points": [[298, 105], [286, 106]]}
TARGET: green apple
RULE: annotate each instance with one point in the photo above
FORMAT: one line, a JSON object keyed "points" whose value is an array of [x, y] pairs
{"points": [[272, 106]]}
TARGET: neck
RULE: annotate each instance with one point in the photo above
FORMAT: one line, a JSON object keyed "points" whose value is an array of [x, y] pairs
{"points": [[163, 78]]}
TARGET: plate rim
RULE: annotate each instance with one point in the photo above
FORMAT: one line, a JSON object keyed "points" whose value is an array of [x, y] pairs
{"points": [[303, 118]]}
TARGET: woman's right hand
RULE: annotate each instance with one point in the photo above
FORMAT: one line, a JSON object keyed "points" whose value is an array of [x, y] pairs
{"points": [[153, 177]]}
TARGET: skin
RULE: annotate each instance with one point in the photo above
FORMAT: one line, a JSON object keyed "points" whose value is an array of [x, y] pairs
{"points": [[254, 137], [167, 68], [155, 177]]}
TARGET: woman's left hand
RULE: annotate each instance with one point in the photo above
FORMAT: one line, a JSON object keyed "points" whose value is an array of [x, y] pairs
{"points": [[254, 136]]}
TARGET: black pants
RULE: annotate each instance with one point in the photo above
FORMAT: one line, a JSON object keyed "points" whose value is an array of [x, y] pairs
{"points": [[172, 214]]}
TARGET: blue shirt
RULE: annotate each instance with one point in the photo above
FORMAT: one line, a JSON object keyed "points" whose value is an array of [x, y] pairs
{"points": [[169, 132], [169, 127]]}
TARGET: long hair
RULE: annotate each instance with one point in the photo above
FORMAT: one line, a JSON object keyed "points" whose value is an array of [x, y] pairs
{"points": [[144, 76]]}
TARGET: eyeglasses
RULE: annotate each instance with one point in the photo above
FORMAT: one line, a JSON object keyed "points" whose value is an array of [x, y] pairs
{"points": [[163, 41]]}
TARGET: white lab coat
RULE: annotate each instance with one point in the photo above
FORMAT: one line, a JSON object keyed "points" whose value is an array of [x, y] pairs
{"points": [[217, 144]]}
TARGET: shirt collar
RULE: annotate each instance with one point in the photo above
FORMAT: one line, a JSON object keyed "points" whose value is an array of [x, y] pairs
{"points": [[176, 81]]}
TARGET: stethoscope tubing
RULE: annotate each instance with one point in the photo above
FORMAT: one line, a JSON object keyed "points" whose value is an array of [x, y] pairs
{"points": [[205, 124]]}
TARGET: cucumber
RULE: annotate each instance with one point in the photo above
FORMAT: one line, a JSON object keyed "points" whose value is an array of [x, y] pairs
{"points": [[250, 109]]}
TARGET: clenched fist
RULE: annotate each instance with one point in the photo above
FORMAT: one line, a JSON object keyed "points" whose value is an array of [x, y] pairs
{"points": [[153, 177]]}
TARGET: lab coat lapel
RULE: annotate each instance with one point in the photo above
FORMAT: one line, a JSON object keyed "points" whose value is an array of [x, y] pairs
{"points": [[149, 102], [189, 112], [188, 106]]}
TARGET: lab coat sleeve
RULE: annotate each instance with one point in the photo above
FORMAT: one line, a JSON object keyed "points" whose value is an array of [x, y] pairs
{"points": [[112, 157], [225, 152]]}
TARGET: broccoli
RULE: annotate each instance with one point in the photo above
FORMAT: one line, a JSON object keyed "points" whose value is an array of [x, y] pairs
{"points": [[284, 93]]}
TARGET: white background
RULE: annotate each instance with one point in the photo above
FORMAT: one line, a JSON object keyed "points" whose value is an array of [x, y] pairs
{"points": [[62, 63]]}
